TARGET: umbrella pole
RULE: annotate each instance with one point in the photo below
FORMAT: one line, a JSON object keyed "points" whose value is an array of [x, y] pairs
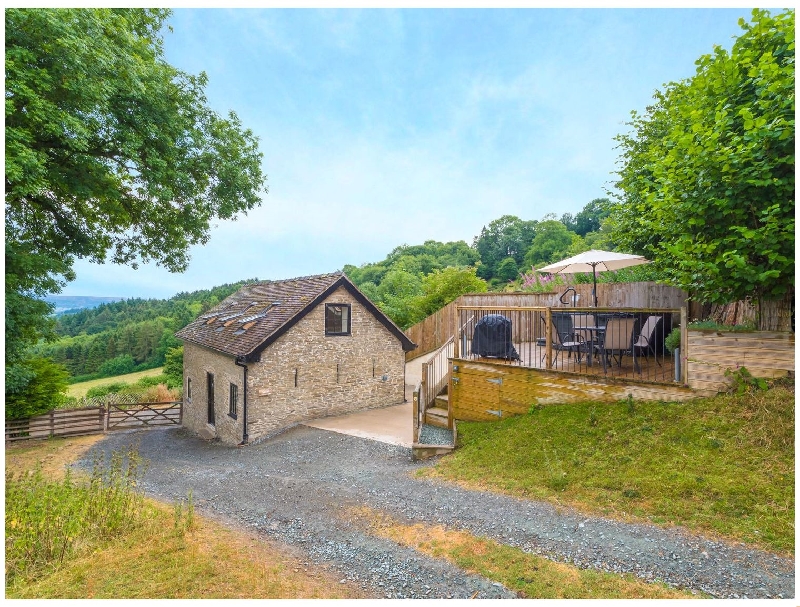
{"points": [[594, 291]]}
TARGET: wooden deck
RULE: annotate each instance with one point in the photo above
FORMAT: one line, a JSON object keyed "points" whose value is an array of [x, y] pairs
{"points": [[532, 357]]}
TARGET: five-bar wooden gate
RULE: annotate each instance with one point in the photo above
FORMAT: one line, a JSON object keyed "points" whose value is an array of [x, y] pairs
{"points": [[95, 420]]}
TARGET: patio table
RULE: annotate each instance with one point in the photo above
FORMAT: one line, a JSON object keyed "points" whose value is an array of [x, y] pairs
{"points": [[595, 339]]}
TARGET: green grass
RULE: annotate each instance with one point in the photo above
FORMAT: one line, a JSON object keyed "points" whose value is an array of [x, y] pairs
{"points": [[722, 465], [79, 390]]}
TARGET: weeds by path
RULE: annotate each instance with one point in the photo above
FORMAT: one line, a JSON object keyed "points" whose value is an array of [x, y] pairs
{"points": [[96, 536], [47, 519]]}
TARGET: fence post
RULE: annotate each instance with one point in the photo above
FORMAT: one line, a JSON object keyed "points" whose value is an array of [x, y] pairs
{"points": [[415, 401], [548, 319], [457, 335], [684, 347]]}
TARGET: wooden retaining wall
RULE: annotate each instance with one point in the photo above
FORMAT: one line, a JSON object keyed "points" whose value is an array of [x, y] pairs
{"points": [[432, 332], [710, 353], [482, 391]]}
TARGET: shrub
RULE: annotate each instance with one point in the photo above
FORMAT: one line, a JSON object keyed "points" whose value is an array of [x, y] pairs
{"points": [[98, 391], [673, 341], [709, 324], [120, 365]]}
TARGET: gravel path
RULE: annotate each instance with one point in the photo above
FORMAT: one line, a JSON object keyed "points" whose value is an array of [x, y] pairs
{"points": [[297, 488]]}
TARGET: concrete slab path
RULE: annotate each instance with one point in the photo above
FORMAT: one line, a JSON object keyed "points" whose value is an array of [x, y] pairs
{"points": [[392, 424]]}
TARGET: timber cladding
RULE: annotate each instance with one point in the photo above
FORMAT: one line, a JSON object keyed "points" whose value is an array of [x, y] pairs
{"points": [[710, 353], [482, 391]]}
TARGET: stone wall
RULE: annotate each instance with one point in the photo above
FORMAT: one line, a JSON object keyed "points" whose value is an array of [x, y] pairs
{"points": [[197, 362], [303, 375], [306, 374]]}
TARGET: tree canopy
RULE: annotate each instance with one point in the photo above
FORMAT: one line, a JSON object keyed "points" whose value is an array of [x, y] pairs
{"points": [[111, 154], [508, 236], [707, 172]]}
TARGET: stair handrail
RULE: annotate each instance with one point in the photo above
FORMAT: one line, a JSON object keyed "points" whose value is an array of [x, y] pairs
{"points": [[435, 375]]}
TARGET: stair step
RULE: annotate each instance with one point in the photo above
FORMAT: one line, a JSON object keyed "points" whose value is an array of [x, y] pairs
{"points": [[436, 416], [444, 398]]}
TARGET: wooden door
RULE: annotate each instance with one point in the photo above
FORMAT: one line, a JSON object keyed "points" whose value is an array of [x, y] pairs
{"points": [[210, 394]]}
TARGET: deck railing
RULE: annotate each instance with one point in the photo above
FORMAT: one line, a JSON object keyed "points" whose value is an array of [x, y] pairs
{"points": [[618, 342]]}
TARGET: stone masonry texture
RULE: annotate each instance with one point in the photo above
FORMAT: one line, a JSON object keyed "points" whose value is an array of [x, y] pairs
{"points": [[303, 375]]}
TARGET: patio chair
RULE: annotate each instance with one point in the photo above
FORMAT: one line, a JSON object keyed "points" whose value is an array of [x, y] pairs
{"points": [[564, 339], [580, 321], [618, 341], [646, 340]]}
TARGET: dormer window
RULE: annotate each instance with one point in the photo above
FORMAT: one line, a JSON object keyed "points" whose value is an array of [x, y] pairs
{"points": [[337, 319]]}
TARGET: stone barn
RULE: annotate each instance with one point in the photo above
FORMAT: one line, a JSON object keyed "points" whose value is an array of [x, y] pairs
{"points": [[281, 352]]}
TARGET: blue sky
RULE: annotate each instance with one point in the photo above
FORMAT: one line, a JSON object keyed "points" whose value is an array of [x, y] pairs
{"points": [[389, 127]]}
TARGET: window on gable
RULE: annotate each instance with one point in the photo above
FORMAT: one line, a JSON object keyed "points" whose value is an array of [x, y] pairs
{"points": [[234, 401], [337, 319]]}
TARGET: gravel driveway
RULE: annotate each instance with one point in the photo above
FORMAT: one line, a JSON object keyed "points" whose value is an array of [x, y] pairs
{"points": [[292, 487]]}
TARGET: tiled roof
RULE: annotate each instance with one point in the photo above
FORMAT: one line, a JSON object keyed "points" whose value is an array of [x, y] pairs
{"points": [[253, 317]]}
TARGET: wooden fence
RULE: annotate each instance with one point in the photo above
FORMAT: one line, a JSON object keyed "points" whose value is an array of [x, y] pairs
{"points": [[766, 354], [435, 330], [95, 420]]}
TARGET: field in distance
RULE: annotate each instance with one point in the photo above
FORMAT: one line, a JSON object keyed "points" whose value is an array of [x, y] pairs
{"points": [[80, 390]]}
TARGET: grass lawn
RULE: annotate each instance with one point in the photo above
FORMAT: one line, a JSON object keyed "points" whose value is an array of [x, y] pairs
{"points": [[161, 555], [79, 390], [721, 465]]}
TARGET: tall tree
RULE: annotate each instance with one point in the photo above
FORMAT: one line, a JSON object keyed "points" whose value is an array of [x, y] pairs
{"points": [[551, 243], [508, 236], [591, 216], [707, 176], [111, 153]]}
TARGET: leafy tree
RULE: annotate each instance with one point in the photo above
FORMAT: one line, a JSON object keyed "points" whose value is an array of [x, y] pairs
{"points": [[508, 236], [551, 243], [34, 397], [443, 286], [568, 219], [111, 153], [507, 270], [395, 293], [118, 366], [173, 366], [591, 216], [707, 176]]}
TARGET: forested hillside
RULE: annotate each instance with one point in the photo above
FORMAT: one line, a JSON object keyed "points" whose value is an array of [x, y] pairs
{"points": [[412, 282], [129, 335]]}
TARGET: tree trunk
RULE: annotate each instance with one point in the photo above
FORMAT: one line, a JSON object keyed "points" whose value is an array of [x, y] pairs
{"points": [[735, 313], [777, 315], [765, 315]]}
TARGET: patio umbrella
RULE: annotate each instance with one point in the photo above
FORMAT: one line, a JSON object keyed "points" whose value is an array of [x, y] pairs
{"points": [[594, 261]]}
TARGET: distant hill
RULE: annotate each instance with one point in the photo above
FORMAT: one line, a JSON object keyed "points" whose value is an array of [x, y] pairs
{"points": [[67, 303]]}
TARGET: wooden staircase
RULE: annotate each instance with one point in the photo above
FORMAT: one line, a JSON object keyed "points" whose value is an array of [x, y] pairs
{"points": [[437, 415], [434, 432]]}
